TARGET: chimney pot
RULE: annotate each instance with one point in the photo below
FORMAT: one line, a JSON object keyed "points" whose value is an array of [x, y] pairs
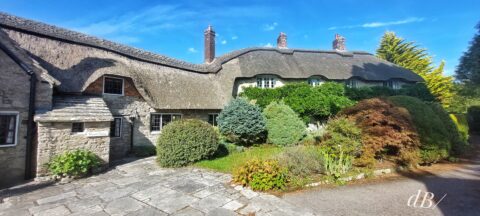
{"points": [[339, 43], [209, 44], [282, 41]]}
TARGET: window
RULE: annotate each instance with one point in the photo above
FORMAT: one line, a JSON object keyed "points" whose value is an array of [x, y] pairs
{"points": [[78, 127], [212, 119], [113, 85], [8, 128], [352, 83], [315, 82], [116, 127], [266, 82], [393, 84], [158, 121]]}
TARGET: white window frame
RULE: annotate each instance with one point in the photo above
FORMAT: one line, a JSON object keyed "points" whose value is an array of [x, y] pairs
{"points": [[121, 125], [161, 121], [394, 84], [215, 122], [352, 83], [17, 114], [266, 82], [314, 81], [112, 77]]}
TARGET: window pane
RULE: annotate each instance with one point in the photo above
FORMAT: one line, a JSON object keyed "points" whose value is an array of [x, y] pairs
{"points": [[116, 127], [155, 122], [77, 127], [7, 129], [166, 119], [113, 85]]}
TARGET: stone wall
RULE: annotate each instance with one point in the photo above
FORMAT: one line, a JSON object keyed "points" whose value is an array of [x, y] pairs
{"points": [[55, 138], [14, 92]]}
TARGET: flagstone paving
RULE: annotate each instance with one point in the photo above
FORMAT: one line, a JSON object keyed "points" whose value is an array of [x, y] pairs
{"points": [[142, 188]]}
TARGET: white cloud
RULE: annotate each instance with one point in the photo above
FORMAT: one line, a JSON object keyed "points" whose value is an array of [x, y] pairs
{"points": [[234, 37], [192, 50], [224, 42], [380, 24], [268, 45], [270, 27]]}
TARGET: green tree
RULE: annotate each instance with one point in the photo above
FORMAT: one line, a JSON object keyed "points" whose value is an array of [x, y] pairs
{"points": [[242, 122], [468, 70], [410, 56], [283, 124]]}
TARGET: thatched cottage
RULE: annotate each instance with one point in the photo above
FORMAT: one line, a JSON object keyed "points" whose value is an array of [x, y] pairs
{"points": [[62, 90]]}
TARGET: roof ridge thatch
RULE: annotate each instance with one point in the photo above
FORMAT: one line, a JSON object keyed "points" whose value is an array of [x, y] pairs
{"points": [[59, 33]]}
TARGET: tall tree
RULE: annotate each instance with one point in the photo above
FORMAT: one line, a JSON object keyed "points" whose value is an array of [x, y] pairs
{"points": [[468, 70], [410, 56]]}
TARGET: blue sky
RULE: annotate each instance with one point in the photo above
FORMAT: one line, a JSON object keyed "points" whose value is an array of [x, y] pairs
{"points": [[175, 28]]}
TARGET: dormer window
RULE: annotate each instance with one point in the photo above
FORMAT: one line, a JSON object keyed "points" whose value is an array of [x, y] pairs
{"points": [[352, 83], [266, 82], [393, 84], [315, 82], [112, 85]]}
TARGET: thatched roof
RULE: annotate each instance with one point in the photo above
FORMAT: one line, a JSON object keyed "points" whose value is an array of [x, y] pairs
{"points": [[77, 60], [76, 109]]}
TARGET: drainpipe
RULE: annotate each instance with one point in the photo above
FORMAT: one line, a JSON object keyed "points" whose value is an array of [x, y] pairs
{"points": [[31, 109]]}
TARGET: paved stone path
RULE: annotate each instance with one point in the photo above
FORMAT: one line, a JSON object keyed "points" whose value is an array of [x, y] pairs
{"points": [[142, 188]]}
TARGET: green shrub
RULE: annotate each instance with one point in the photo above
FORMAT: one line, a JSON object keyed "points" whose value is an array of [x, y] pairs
{"points": [[185, 141], [302, 161], [461, 122], [342, 135], [284, 127], [74, 163], [473, 115], [144, 151], [242, 122], [336, 165], [311, 103], [438, 134], [261, 175], [418, 90]]}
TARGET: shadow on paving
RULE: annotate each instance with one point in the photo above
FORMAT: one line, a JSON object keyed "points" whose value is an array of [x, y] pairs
{"points": [[31, 186], [460, 188]]}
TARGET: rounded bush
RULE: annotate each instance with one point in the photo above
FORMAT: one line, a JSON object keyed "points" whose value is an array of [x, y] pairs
{"points": [[186, 141], [284, 127], [438, 134], [242, 122], [74, 163], [342, 135]]}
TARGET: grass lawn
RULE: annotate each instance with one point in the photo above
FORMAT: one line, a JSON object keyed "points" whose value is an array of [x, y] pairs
{"points": [[227, 163]]}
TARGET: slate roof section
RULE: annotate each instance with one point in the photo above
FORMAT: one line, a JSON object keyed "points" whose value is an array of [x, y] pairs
{"points": [[76, 109]]}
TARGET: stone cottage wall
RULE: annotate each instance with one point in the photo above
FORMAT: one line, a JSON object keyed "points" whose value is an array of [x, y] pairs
{"points": [[56, 137], [14, 92]]}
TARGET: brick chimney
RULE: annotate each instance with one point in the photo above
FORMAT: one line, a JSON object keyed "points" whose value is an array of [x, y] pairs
{"points": [[209, 49], [339, 43], [282, 41]]}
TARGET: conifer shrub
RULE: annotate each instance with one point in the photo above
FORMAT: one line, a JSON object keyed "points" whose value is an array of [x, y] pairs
{"points": [[242, 122], [284, 127], [387, 131], [186, 141]]}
